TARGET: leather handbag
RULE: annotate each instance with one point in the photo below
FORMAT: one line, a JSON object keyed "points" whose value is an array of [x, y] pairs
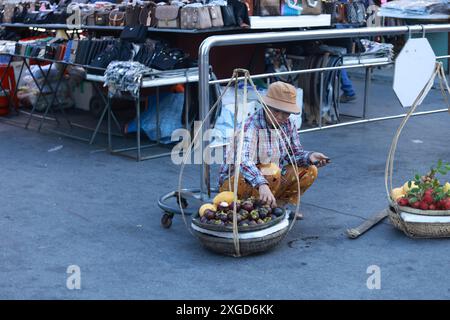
{"points": [[168, 16], [228, 17], [19, 13], [134, 34], [197, 17], [147, 14], [44, 17], [117, 18], [102, 17], [8, 12], [88, 17], [250, 7], [312, 7], [268, 7], [132, 14], [216, 16]]}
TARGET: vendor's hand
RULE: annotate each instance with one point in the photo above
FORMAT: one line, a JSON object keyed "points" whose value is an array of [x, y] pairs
{"points": [[266, 195], [318, 159]]}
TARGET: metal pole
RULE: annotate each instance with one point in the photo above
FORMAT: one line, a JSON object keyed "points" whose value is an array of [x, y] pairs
{"points": [[320, 99], [366, 90]]}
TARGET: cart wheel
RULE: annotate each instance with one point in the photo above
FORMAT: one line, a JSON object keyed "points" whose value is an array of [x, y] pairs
{"points": [[166, 220], [184, 203]]}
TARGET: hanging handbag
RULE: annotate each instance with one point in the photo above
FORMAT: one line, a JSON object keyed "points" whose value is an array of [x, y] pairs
{"points": [[132, 15], [147, 14], [311, 7], [197, 17], [267, 7], [117, 18], [168, 16], [134, 34], [216, 16], [228, 16]]}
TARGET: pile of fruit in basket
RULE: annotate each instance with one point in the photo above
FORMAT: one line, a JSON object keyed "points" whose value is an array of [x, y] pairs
{"points": [[425, 192], [250, 212]]}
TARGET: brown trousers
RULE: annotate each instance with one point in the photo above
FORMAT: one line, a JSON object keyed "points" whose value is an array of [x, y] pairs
{"points": [[284, 187]]}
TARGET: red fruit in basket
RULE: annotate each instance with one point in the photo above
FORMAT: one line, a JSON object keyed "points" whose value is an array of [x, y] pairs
{"points": [[423, 205], [403, 202], [432, 207], [428, 199], [429, 192], [415, 205], [447, 204]]}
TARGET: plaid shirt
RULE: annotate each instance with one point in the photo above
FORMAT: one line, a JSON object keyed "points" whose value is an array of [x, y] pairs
{"points": [[263, 145]]}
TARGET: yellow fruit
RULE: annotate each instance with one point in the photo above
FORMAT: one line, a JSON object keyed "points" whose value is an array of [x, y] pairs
{"points": [[397, 193], [447, 187], [269, 169], [205, 207], [225, 196], [406, 188]]}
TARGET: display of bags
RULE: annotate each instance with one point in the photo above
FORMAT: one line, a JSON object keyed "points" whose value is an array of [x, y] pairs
{"points": [[267, 7], [117, 18], [168, 16], [195, 17], [216, 16], [147, 14], [312, 7]]}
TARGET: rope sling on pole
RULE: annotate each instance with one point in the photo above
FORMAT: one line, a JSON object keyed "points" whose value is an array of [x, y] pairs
{"points": [[239, 133]]}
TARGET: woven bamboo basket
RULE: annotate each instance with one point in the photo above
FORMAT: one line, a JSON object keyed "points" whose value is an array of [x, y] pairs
{"points": [[417, 228], [246, 246]]}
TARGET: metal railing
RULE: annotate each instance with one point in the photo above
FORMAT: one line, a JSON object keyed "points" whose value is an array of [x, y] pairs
{"points": [[291, 36]]}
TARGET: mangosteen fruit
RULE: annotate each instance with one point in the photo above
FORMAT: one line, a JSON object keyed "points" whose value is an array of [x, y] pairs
{"points": [[223, 206], [209, 214], [278, 211], [247, 205]]}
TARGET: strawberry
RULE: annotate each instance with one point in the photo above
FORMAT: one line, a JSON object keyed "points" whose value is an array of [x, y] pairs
{"points": [[403, 202], [428, 199], [423, 205]]}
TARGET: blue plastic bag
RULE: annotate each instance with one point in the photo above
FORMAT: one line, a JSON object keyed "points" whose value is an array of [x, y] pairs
{"points": [[170, 110]]}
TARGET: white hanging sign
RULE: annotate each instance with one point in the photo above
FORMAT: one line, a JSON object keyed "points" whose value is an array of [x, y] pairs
{"points": [[413, 69]]}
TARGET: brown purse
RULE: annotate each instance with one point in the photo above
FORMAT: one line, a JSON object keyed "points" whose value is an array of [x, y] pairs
{"points": [[147, 14], [195, 18], [117, 18], [88, 17], [216, 16], [168, 16], [132, 15], [311, 7], [102, 17]]}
